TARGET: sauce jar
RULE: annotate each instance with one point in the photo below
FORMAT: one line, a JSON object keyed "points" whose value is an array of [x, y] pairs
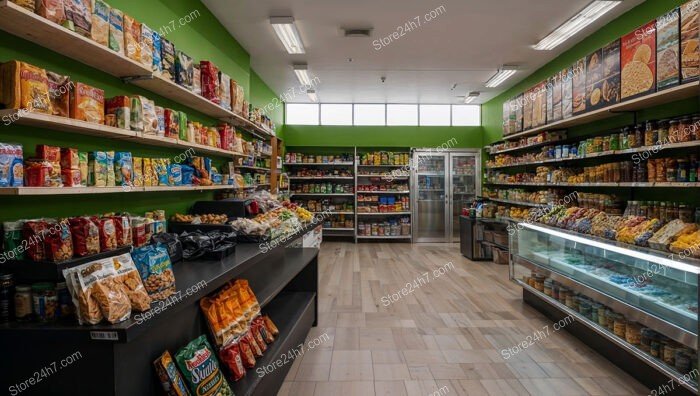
{"points": [[695, 128], [684, 130], [65, 303], [606, 143], [614, 141], [673, 131], [682, 360], [619, 325], [651, 170], [671, 170], [661, 170], [45, 301], [23, 303], [624, 138], [685, 213], [646, 337], [682, 170], [663, 132], [602, 318], [548, 287], [632, 334]]}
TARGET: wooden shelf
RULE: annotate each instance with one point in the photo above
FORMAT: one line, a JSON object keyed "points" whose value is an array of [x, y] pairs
{"points": [[255, 168], [26, 191], [321, 178], [658, 98]]}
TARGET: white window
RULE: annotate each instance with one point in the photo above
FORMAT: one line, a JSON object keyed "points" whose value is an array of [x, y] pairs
{"points": [[336, 114], [370, 114], [435, 115], [302, 114], [466, 115], [402, 114]]}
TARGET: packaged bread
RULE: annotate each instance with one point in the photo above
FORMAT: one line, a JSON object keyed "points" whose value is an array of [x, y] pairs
{"points": [[79, 16], [225, 90], [53, 10], [87, 103], [59, 94], [116, 31], [147, 46], [25, 87], [132, 38], [100, 22]]}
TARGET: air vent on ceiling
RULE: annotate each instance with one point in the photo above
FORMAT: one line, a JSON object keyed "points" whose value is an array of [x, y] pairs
{"points": [[357, 32]]}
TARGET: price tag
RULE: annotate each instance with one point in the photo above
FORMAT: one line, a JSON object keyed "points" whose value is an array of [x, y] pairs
{"points": [[104, 335]]}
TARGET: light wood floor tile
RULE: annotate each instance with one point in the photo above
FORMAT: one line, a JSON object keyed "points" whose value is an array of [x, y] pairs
{"points": [[344, 388], [389, 388], [420, 372], [447, 371], [387, 357], [391, 372], [352, 357], [351, 372], [313, 372]]}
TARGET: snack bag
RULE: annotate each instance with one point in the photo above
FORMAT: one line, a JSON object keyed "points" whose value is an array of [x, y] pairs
{"points": [[147, 46], [120, 106], [247, 354], [69, 158], [111, 176], [172, 123], [156, 270], [27, 4], [137, 113], [157, 62], [34, 231], [123, 169], [198, 364], [87, 308], [78, 16], [150, 117], [690, 41], [129, 280], [100, 22], [12, 239], [97, 169], [88, 104], [170, 377], [83, 161], [237, 97], [24, 86], [59, 94], [182, 127], [11, 165], [132, 38], [107, 233], [138, 172], [160, 113], [71, 178], [231, 357], [187, 175], [48, 153], [197, 80], [175, 175], [167, 50], [138, 231], [225, 90], [149, 174], [184, 69], [52, 10], [58, 243], [86, 236], [116, 31], [160, 165], [209, 75]]}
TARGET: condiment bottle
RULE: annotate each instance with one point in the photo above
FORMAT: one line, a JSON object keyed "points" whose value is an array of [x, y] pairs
{"points": [[7, 293], [682, 170]]}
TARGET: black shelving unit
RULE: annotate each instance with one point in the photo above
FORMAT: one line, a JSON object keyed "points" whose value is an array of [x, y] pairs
{"points": [[118, 359]]}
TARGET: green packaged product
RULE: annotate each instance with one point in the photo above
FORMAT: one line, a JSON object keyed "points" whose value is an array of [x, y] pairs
{"points": [[12, 240], [83, 165], [183, 125], [200, 368]]}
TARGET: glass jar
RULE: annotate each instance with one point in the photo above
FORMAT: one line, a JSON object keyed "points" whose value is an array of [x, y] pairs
{"points": [[655, 347], [694, 128], [682, 360], [563, 294], [624, 138], [685, 213], [584, 307], [45, 301], [539, 283], [661, 170], [619, 325], [65, 304], [673, 131], [7, 293], [610, 319], [649, 132], [548, 287], [651, 170], [684, 130], [602, 318], [606, 143], [594, 311], [662, 132], [669, 354], [632, 333], [646, 337], [682, 170], [616, 172], [671, 170], [638, 136], [23, 303]]}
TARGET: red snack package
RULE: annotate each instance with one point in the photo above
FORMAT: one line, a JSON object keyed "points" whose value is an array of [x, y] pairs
{"points": [[48, 153], [108, 233], [71, 178], [37, 174], [244, 344], [138, 232], [226, 136], [58, 244], [122, 224], [254, 346], [69, 158], [264, 332], [255, 330], [172, 123], [210, 81], [86, 236], [231, 356], [34, 232]]}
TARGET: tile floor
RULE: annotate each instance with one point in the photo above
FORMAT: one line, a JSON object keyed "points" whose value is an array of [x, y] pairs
{"points": [[444, 336]]}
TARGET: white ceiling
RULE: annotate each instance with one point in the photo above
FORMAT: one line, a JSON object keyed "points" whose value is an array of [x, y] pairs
{"points": [[464, 46]]}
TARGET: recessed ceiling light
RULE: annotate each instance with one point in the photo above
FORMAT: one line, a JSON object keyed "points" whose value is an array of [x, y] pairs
{"points": [[302, 72], [288, 34], [312, 95], [575, 24], [503, 74], [471, 97]]}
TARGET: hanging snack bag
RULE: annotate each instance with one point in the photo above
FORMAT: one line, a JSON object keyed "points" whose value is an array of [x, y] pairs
{"points": [[209, 75], [24, 86], [100, 22], [59, 93], [120, 107], [200, 368], [138, 172], [184, 70], [58, 243], [157, 62], [86, 236], [136, 113], [53, 10], [78, 16], [123, 169], [160, 113], [88, 104], [167, 51], [83, 166], [147, 46], [197, 80], [116, 31], [107, 233], [97, 169], [225, 90], [172, 123], [132, 38], [150, 117], [156, 270], [170, 377]]}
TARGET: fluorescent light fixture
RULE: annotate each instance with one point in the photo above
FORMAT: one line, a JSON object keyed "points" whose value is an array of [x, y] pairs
{"points": [[577, 23], [617, 249], [503, 74], [471, 97], [302, 72], [288, 34], [312, 95]]}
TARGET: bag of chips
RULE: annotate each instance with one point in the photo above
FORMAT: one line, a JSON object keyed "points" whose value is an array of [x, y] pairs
{"points": [[120, 107], [86, 236], [156, 270], [116, 31], [209, 75], [157, 62], [88, 104], [182, 127], [172, 123], [200, 368], [59, 94], [58, 243], [175, 175], [78, 16], [107, 232], [184, 69], [53, 10], [132, 38], [147, 46], [100, 22], [231, 357], [161, 169], [167, 51], [149, 174], [137, 113], [33, 232], [123, 169], [225, 90], [97, 169], [197, 80], [170, 377], [138, 172], [111, 175], [238, 98], [25, 87], [160, 113]]}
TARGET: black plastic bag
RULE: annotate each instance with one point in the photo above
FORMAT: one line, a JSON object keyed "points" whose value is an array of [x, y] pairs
{"points": [[212, 245], [173, 244]]}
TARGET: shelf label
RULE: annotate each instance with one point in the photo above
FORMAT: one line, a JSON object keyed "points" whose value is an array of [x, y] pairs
{"points": [[104, 335]]}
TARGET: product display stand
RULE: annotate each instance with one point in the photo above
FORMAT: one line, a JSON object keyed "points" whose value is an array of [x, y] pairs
{"points": [[117, 359]]}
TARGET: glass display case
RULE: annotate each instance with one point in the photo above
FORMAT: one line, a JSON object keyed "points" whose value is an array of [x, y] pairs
{"points": [[644, 300]]}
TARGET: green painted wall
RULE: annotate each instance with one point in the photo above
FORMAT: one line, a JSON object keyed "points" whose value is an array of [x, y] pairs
{"points": [[203, 38], [261, 96], [382, 136]]}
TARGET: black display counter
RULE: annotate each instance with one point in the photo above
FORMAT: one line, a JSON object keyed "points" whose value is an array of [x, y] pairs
{"points": [[118, 359]]}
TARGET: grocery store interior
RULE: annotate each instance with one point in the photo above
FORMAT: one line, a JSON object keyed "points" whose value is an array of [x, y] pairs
{"points": [[395, 198]]}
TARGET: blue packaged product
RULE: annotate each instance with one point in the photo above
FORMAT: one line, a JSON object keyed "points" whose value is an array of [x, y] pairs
{"points": [[175, 174], [123, 169], [156, 270], [187, 174], [11, 165], [216, 178], [157, 63]]}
